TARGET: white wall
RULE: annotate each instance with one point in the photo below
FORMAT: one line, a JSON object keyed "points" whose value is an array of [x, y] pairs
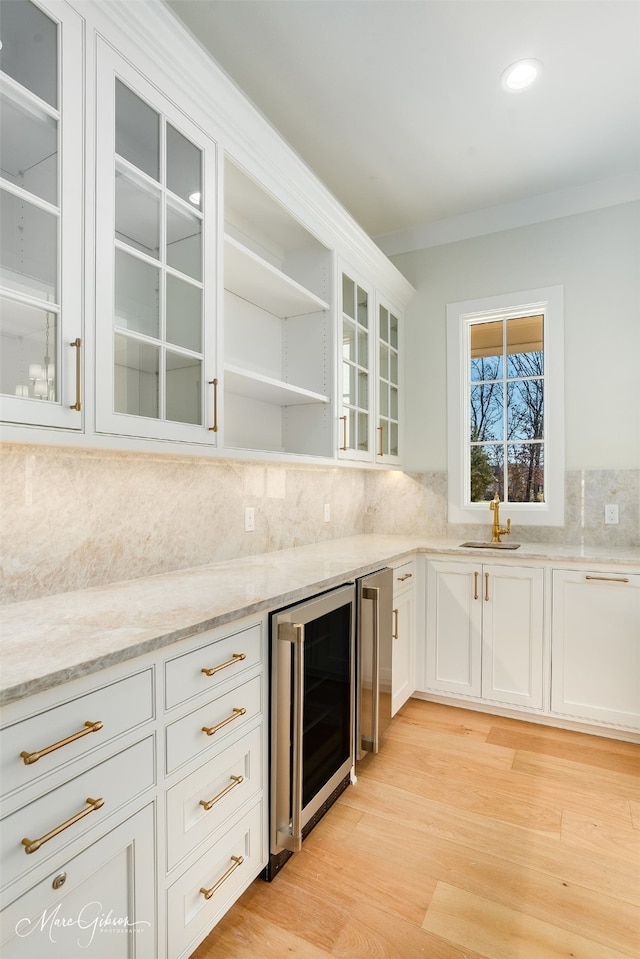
{"points": [[596, 257]]}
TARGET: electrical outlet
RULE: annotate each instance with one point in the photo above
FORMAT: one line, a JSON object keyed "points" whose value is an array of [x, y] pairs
{"points": [[327, 512], [611, 514], [249, 519]]}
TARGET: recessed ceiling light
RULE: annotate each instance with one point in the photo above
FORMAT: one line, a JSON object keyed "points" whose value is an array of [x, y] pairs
{"points": [[521, 75]]}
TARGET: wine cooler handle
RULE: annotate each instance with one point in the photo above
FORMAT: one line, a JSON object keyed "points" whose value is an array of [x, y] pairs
{"points": [[294, 634], [373, 593]]}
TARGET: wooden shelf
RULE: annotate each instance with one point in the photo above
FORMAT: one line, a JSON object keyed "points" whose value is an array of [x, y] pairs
{"points": [[266, 389], [254, 279]]}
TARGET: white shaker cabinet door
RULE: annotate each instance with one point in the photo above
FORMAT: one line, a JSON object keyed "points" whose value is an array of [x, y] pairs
{"points": [[595, 652], [512, 635], [100, 904], [454, 628]]}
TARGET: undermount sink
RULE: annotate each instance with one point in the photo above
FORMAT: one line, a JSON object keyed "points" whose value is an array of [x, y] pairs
{"points": [[492, 545]]}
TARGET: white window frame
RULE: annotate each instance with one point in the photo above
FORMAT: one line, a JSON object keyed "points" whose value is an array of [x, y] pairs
{"points": [[550, 302]]}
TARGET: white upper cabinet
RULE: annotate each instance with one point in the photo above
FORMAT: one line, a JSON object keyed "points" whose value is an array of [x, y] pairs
{"points": [[388, 398], [355, 439], [41, 215], [278, 355], [157, 263], [370, 363]]}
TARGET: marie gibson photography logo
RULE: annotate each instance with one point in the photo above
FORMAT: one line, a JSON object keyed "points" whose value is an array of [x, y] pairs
{"points": [[90, 921]]}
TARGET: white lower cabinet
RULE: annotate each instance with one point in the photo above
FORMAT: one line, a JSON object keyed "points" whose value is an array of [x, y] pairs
{"points": [[100, 903], [595, 636], [485, 632], [128, 829], [404, 634]]}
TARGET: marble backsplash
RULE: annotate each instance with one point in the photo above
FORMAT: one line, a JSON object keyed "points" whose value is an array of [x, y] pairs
{"points": [[76, 518]]}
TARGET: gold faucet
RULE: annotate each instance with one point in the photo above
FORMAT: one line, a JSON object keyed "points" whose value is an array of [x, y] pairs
{"points": [[496, 530]]}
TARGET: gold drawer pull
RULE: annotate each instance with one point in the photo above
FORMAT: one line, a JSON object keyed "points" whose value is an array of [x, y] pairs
{"points": [[236, 658], [401, 579], [610, 579], [235, 781], [30, 758], [30, 845], [395, 633], [237, 861], [210, 730], [475, 585], [486, 587]]}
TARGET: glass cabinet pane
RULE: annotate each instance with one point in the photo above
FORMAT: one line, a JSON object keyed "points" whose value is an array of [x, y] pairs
{"points": [[184, 388], [184, 242], [137, 215], [136, 380], [184, 314], [137, 131], [29, 351], [137, 295], [29, 52], [28, 247], [184, 168], [29, 154], [348, 296]]}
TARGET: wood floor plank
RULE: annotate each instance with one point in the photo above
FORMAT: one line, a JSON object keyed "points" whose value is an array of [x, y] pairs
{"points": [[589, 833], [371, 934], [572, 774], [500, 932], [242, 934], [596, 751]]}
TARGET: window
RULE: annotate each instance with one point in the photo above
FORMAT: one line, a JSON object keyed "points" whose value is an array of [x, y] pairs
{"points": [[506, 409]]}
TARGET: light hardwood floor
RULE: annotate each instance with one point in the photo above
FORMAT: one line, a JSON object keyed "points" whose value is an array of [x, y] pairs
{"points": [[468, 836]]}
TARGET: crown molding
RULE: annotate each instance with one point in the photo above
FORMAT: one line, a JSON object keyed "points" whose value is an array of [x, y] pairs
{"points": [[509, 216]]}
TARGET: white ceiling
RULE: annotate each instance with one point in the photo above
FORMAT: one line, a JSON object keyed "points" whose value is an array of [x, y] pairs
{"points": [[397, 104]]}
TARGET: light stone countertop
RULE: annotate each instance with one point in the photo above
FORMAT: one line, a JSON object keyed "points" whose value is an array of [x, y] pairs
{"points": [[49, 641]]}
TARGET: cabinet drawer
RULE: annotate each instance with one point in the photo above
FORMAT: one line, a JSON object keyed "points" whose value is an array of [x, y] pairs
{"points": [[223, 784], [223, 717], [115, 781], [225, 659], [64, 914], [227, 868], [404, 577], [119, 707]]}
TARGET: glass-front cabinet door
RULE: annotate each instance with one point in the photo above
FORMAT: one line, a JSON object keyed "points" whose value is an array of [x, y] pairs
{"points": [[388, 398], [355, 423], [41, 248], [156, 263]]}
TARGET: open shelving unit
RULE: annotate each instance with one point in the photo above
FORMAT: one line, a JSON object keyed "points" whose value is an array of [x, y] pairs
{"points": [[278, 367]]}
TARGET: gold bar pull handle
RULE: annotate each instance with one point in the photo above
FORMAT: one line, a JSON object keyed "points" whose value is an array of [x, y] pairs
{"points": [[609, 579], [236, 861], [486, 587], [31, 845], [214, 384], [395, 634], [77, 343], [30, 758], [344, 433], [210, 730], [475, 585], [401, 579], [380, 448], [236, 658], [208, 803]]}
